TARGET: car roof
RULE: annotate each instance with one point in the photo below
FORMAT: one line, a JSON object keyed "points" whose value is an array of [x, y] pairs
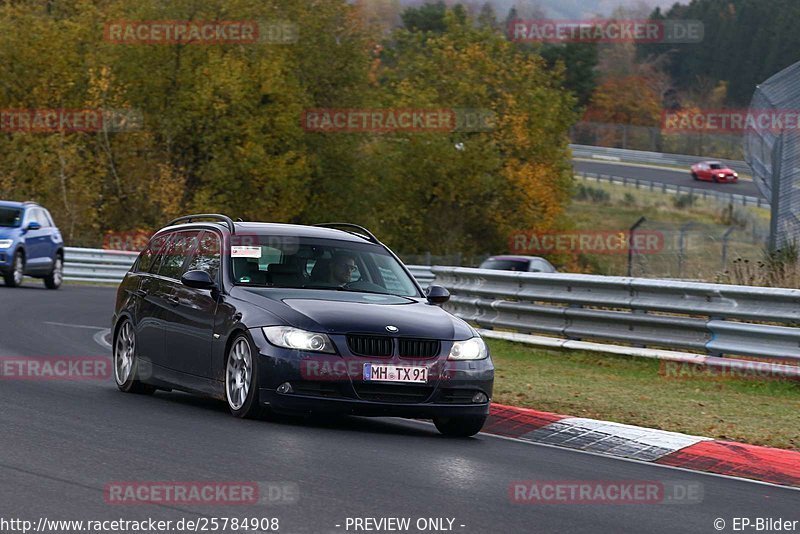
{"points": [[276, 229], [15, 204], [514, 258]]}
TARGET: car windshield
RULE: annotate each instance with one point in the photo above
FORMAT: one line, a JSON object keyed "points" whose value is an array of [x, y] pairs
{"points": [[305, 263], [505, 265], [10, 217]]}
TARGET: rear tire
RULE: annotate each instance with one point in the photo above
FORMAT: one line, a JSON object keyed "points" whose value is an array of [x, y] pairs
{"points": [[460, 427], [15, 277], [241, 379], [126, 362], [695, 177], [56, 276]]}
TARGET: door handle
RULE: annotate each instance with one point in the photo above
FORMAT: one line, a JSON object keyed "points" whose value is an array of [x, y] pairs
{"points": [[139, 293], [173, 300]]}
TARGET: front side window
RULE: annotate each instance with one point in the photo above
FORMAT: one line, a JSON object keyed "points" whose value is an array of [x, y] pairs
{"points": [[308, 263], [10, 217], [207, 256]]}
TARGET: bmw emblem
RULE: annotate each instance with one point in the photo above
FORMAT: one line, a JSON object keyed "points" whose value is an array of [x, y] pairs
{"points": [[391, 328]]}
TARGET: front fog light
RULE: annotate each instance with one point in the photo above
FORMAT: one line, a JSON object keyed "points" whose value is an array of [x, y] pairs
{"points": [[469, 349], [479, 398]]}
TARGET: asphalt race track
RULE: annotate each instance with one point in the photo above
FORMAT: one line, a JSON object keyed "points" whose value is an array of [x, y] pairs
{"points": [[663, 175], [62, 441]]}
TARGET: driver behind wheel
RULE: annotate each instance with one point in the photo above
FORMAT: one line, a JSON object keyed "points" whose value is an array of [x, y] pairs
{"points": [[342, 269]]}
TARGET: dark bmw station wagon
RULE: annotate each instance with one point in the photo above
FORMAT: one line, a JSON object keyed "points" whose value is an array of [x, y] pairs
{"points": [[295, 319]]}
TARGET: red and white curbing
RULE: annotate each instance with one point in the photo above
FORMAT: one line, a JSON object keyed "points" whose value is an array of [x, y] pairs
{"points": [[777, 466]]}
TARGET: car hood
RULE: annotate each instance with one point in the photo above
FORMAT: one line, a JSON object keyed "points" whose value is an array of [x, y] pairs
{"points": [[8, 233], [340, 312]]}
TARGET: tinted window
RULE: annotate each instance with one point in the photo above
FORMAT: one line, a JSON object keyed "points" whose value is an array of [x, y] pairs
{"points": [[310, 263], [505, 265], [716, 166], [207, 256], [10, 217], [147, 256], [176, 253]]}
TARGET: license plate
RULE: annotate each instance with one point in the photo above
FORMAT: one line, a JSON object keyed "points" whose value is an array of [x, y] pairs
{"points": [[395, 373]]}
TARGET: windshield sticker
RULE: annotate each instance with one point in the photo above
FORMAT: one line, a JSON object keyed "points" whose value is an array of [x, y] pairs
{"points": [[246, 252]]}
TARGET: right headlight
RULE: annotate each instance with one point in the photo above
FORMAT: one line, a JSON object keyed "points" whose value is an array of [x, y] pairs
{"points": [[469, 349], [294, 338], [6, 243]]}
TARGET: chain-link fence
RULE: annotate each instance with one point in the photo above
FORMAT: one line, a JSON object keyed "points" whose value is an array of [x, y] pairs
{"points": [[697, 251]]}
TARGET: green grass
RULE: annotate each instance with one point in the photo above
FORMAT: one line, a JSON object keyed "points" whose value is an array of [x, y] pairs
{"points": [[631, 390]]}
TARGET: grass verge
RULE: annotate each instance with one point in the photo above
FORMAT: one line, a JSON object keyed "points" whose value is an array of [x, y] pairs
{"points": [[633, 391]]}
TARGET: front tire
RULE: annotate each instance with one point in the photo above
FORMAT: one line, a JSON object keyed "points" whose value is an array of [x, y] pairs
{"points": [[56, 276], [241, 379], [126, 362], [460, 427], [16, 275]]}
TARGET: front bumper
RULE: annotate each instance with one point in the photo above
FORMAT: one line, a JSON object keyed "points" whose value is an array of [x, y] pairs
{"points": [[449, 392]]}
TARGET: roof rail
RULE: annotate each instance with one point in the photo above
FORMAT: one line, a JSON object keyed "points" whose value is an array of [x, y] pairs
{"points": [[362, 232], [189, 218]]}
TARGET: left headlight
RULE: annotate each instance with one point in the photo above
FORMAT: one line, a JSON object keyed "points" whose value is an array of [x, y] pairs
{"points": [[294, 338], [6, 243], [469, 349]]}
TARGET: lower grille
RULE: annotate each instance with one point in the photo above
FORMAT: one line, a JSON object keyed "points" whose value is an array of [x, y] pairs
{"points": [[370, 345], [316, 389], [457, 396], [393, 393]]}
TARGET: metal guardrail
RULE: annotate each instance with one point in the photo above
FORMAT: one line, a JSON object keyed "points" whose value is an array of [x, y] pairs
{"points": [[712, 319], [733, 198], [109, 266], [650, 158], [96, 265]]}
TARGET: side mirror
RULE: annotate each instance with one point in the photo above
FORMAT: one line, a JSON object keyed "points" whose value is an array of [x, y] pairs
{"points": [[33, 225], [198, 280], [437, 294]]}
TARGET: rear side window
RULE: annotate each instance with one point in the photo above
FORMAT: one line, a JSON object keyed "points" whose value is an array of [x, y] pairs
{"points": [[177, 252], [207, 256], [149, 254]]}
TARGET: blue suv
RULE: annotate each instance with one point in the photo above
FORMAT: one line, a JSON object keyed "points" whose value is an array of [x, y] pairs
{"points": [[30, 244]]}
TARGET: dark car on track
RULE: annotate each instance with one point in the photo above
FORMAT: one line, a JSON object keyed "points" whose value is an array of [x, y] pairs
{"points": [[713, 171], [30, 245], [527, 264], [295, 319]]}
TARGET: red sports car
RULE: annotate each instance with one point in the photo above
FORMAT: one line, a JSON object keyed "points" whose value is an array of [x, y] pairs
{"points": [[713, 171]]}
